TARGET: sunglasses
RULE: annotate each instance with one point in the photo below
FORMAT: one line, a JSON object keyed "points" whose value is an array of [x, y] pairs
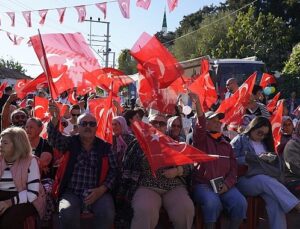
{"points": [[86, 123], [19, 117], [77, 115], [160, 123]]}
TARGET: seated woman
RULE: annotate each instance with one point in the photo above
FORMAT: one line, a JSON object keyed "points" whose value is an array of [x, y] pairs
{"points": [[146, 194], [21, 193], [291, 155], [174, 127], [121, 137], [40, 146], [287, 129], [208, 138], [251, 146]]}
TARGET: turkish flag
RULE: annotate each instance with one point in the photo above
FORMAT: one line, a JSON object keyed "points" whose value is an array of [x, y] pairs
{"points": [[162, 151], [104, 112], [14, 38], [20, 84], [163, 100], [267, 79], [72, 97], [124, 8], [43, 14], [2, 87], [276, 121], [102, 7], [70, 61], [234, 107], [272, 104], [27, 16], [12, 18], [143, 4], [155, 61], [204, 87], [81, 13], [172, 4], [61, 14], [32, 85], [41, 108]]}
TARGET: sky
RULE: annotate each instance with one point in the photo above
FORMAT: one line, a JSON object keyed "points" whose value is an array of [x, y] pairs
{"points": [[123, 32]]}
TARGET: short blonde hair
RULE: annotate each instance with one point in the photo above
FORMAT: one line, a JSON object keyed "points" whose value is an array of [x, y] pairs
{"points": [[19, 138]]}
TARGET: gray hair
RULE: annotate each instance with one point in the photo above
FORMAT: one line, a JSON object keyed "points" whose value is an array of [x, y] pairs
{"points": [[86, 114]]}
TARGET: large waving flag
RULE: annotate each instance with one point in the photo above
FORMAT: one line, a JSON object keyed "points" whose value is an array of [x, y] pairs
{"points": [[67, 61], [24, 87], [234, 107], [267, 79], [272, 104], [162, 151], [155, 61], [204, 87]]}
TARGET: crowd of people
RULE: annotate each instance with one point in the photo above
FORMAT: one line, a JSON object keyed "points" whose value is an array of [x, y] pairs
{"points": [[79, 174]]}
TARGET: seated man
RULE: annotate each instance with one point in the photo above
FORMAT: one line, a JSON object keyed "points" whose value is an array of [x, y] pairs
{"points": [[90, 172]]}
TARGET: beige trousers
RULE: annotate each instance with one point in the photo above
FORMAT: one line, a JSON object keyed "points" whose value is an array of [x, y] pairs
{"points": [[147, 202]]}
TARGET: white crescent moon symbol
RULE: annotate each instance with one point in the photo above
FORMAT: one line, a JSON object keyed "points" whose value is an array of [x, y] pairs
{"points": [[101, 112], [20, 84], [267, 79], [161, 66], [241, 90], [55, 79], [175, 144], [38, 107]]}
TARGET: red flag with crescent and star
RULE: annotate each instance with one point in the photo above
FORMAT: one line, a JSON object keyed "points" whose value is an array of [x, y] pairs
{"points": [[70, 61], [155, 62], [272, 104], [266, 80], [20, 84], [204, 87], [162, 151], [41, 109], [234, 107], [276, 120]]}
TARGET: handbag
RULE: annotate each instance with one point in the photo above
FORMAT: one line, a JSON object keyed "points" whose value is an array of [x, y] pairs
{"points": [[268, 164]]}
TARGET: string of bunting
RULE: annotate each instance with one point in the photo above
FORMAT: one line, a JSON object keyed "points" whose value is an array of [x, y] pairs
{"points": [[124, 6]]}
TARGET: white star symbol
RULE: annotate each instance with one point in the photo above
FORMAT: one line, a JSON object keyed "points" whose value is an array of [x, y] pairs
{"points": [[109, 75], [154, 137], [149, 72], [46, 114], [69, 63]]}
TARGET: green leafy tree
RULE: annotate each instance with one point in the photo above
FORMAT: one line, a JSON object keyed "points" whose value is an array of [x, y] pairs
{"points": [[126, 62], [266, 37], [166, 39], [12, 64], [293, 64]]}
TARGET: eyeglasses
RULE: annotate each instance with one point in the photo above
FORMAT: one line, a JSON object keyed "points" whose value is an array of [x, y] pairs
{"points": [[19, 117], [86, 123], [75, 115], [174, 125], [160, 123]]}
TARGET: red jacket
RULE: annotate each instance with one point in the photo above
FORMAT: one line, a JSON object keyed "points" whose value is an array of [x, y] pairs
{"points": [[226, 167]]}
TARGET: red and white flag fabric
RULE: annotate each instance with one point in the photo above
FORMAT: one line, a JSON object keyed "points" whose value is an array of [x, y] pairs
{"points": [[155, 61], [276, 121], [266, 80], [70, 60], [61, 14], [104, 111], [162, 151], [27, 16], [272, 104], [12, 17], [234, 107], [32, 85], [20, 84], [14, 38], [41, 108], [2, 88], [72, 97], [204, 87], [81, 13], [125, 8], [296, 112], [143, 4], [172, 4], [102, 8], [43, 14]]}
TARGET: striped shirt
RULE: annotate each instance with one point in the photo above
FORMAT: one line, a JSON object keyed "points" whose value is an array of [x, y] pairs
{"points": [[33, 183]]}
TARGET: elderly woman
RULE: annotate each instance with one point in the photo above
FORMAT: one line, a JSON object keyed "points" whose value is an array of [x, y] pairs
{"points": [[287, 129], [146, 194], [21, 193], [121, 137], [254, 149], [291, 155], [174, 127]]}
